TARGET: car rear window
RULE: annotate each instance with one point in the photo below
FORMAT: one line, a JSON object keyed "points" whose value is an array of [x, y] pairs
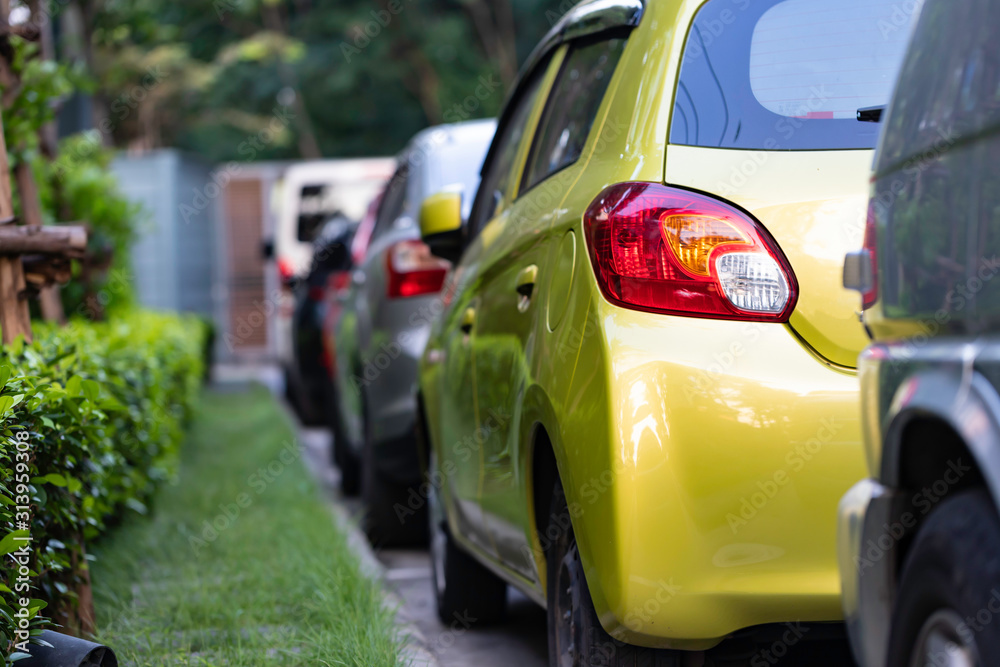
{"points": [[788, 74]]}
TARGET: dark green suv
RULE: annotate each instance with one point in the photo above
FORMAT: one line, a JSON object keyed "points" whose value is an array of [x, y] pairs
{"points": [[919, 540]]}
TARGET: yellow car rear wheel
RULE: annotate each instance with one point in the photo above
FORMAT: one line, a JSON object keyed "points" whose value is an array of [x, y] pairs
{"points": [[576, 638]]}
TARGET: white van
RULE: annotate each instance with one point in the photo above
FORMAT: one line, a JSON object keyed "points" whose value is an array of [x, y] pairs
{"points": [[314, 191]]}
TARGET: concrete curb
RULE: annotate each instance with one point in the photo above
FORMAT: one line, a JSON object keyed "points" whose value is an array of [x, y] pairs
{"points": [[415, 651]]}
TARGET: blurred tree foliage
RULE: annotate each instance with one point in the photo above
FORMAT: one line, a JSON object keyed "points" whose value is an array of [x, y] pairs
{"points": [[311, 77]]}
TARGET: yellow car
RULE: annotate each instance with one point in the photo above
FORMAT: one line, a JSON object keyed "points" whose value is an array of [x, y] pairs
{"points": [[639, 396]]}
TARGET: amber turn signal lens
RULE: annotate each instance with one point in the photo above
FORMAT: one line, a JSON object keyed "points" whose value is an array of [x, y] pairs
{"points": [[692, 238]]}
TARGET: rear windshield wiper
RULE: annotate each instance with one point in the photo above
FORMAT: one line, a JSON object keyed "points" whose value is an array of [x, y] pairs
{"points": [[871, 114]]}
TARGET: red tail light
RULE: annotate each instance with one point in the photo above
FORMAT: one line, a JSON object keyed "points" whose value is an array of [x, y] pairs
{"points": [[412, 270], [870, 296], [666, 250], [286, 270], [338, 281]]}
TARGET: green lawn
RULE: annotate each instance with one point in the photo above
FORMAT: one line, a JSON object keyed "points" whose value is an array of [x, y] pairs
{"points": [[276, 586]]}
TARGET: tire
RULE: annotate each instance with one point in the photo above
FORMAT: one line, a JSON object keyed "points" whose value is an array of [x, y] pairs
{"points": [[463, 589], [297, 395], [950, 583], [341, 455], [308, 413], [389, 520], [291, 393], [576, 638]]}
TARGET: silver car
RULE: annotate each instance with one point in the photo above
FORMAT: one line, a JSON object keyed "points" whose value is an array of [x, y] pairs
{"points": [[386, 319]]}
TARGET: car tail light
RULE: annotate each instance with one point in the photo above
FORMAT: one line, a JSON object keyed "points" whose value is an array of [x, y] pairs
{"points": [[412, 270], [870, 295], [667, 250], [338, 281], [286, 270]]}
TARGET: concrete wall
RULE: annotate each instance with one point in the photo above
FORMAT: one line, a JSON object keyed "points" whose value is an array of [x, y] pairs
{"points": [[175, 258]]}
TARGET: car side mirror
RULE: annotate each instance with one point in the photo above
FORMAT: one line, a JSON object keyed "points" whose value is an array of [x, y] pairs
{"points": [[858, 274], [441, 225]]}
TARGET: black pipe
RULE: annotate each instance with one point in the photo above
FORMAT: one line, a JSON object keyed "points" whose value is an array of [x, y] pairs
{"points": [[66, 651]]}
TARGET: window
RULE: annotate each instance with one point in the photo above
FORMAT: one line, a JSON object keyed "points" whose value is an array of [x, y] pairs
{"points": [[572, 107], [313, 211], [787, 74], [500, 159], [937, 192], [393, 202], [949, 88]]}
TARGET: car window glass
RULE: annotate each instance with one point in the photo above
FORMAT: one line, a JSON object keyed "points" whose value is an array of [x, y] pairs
{"points": [[572, 107], [312, 211], [937, 195], [788, 74], [500, 162], [393, 203], [461, 163], [949, 87]]}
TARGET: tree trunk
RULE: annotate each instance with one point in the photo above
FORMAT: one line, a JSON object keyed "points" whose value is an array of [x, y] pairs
{"points": [[42, 17], [495, 27], [308, 146], [84, 27]]}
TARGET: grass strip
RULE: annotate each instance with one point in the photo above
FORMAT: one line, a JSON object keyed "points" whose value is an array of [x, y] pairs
{"points": [[239, 562]]}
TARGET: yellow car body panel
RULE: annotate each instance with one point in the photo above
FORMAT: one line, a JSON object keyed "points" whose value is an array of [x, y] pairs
{"points": [[815, 204], [704, 458]]}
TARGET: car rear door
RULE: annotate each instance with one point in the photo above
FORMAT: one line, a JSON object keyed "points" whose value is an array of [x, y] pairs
{"points": [[514, 271]]}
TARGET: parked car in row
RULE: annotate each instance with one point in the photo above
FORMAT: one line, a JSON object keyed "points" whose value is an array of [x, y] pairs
{"points": [[919, 539], [330, 270], [393, 296], [312, 192], [338, 294], [640, 397]]}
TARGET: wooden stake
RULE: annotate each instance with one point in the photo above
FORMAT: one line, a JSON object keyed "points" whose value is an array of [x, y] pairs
{"points": [[48, 296], [6, 198], [31, 205], [69, 240], [15, 319], [14, 315]]}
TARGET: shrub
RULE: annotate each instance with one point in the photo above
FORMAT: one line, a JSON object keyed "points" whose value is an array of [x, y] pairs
{"points": [[101, 408], [80, 186]]}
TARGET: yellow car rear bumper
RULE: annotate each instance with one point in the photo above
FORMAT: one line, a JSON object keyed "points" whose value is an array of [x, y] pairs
{"points": [[710, 503]]}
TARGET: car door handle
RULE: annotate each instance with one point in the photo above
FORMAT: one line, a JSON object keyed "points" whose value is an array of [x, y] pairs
{"points": [[468, 320], [526, 280]]}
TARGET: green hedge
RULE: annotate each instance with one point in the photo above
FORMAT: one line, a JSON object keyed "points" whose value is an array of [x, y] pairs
{"points": [[102, 408]]}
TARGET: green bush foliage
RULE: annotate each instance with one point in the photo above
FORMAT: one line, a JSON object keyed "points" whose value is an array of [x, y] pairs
{"points": [[102, 408], [80, 186]]}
